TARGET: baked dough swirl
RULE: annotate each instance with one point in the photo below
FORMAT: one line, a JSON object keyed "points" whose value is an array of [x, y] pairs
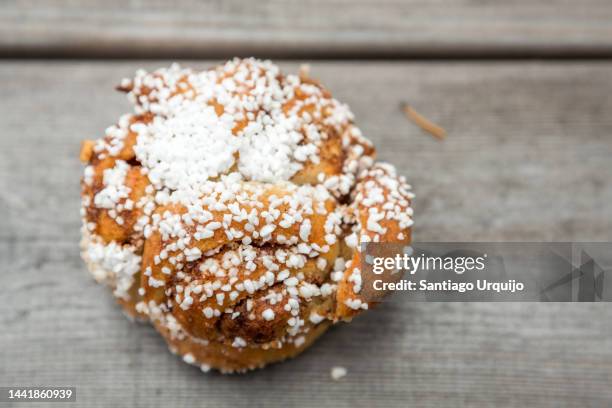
{"points": [[228, 209]]}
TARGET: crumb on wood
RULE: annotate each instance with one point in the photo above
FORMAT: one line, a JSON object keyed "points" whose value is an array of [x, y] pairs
{"points": [[337, 373], [421, 121]]}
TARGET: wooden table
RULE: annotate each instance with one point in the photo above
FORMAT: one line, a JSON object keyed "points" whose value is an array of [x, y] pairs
{"points": [[528, 158]]}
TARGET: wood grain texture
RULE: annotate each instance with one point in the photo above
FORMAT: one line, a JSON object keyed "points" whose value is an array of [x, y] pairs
{"points": [[527, 157], [324, 28]]}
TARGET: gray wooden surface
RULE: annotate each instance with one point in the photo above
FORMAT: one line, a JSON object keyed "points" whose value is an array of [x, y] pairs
{"points": [[527, 158], [332, 28]]}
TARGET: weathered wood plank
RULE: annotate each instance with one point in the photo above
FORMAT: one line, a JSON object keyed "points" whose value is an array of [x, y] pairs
{"points": [[61, 328], [374, 28], [527, 158]]}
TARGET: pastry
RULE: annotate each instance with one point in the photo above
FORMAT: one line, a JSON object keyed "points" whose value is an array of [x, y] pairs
{"points": [[227, 210]]}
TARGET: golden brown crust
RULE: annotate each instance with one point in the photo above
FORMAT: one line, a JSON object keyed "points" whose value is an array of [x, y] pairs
{"points": [[396, 230], [228, 359]]}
